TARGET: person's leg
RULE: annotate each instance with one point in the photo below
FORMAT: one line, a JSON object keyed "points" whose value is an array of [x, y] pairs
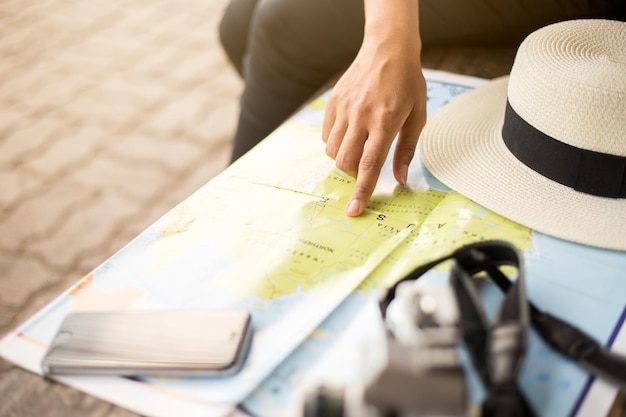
{"points": [[294, 47], [492, 22], [234, 30]]}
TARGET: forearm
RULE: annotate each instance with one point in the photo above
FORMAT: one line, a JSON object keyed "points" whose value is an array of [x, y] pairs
{"points": [[393, 24]]}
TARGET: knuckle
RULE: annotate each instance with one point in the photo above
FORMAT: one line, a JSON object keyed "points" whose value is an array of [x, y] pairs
{"points": [[407, 151], [346, 163], [331, 149], [362, 190], [361, 107], [370, 163], [333, 100], [326, 130], [386, 112], [385, 126]]}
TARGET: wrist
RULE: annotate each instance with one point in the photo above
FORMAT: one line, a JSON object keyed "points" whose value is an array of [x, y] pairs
{"points": [[392, 19]]}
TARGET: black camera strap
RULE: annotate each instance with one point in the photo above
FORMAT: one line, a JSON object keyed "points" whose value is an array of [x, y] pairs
{"points": [[498, 348]]}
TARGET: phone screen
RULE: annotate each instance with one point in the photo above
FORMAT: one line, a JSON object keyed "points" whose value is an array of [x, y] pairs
{"points": [[150, 342]]}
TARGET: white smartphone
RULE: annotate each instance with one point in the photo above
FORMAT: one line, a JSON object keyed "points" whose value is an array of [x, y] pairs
{"points": [[150, 342]]}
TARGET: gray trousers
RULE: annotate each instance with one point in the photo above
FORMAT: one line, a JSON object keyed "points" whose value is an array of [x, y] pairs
{"points": [[286, 50]]}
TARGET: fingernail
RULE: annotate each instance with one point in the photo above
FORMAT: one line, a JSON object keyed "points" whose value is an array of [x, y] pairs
{"points": [[404, 174], [354, 208]]}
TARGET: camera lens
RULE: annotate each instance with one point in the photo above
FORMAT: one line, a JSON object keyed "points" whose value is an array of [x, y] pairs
{"points": [[324, 402]]}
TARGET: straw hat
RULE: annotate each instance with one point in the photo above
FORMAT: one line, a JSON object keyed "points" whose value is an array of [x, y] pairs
{"points": [[546, 146]]}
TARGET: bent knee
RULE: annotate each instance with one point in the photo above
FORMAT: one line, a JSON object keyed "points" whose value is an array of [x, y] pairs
{"points": [[272, 22], [234, 27]]}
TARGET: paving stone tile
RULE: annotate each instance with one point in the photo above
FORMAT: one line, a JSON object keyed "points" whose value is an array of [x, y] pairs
{"points": [[35, 218], [32, 52], [22, 277], [101, 108], [73, 145], [217, 124], [136, 180], [21, 81], [53, 92], [196, 67], [71, 66], [138, 88], [55, 399], [180, 111], [63, 280], [157, 60], [36, 38], [6, 323], [20, 15], [72, 19], [14, 184], [99, 48], [219, 155], [11, 118], [82, 229], [132, 88], [14, 41], [75, 66], [8, 6], [30, 138], [228, 86], [170, 152], [119, 92], [119, 38], [6, 67], [93, 9]]}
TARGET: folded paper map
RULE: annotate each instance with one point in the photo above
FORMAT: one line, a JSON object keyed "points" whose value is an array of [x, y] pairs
{"points": [[270, 235]]}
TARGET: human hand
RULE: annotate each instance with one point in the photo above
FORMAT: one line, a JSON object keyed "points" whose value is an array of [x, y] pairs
{"points": [[381, 94]]}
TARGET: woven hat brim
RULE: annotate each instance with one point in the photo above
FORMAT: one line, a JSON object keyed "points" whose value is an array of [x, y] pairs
{"points": [[462, 146]]}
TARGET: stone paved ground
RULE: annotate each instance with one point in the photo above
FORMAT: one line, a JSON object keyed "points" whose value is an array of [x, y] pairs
{"points": [[111, 112]]}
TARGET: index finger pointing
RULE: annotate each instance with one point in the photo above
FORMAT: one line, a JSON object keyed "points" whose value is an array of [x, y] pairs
{"points": [[370, 166]]}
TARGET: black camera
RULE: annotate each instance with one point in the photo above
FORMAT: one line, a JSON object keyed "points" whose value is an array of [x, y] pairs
{"points": [[423, 373]]}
